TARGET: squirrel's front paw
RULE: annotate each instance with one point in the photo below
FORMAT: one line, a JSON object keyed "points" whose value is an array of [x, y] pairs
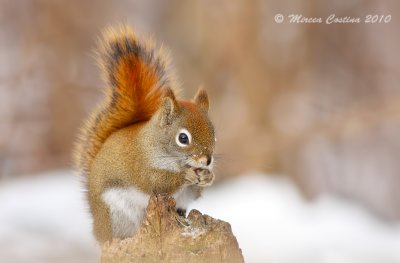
{"points": [[191, 177], [205, 177], [200, 177]]}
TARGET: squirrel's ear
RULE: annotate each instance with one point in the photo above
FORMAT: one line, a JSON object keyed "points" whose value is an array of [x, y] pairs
{"points": [[201, 99], [169, 107]]}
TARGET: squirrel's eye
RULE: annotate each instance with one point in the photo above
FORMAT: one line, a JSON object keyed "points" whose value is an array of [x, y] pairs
{"points": [[183, 138]]}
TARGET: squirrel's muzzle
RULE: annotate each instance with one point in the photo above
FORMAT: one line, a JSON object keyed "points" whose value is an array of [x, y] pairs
{"points": [[205, 160]]}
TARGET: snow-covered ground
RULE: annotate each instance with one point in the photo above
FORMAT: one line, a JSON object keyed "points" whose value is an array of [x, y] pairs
{"points": [[44, 219]]}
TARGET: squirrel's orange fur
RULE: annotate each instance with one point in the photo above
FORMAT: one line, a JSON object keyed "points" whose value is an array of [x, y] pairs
{"points": [[141, 139]]}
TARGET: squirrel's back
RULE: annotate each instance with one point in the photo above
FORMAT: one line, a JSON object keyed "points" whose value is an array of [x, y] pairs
{"points": [[137, 75]]}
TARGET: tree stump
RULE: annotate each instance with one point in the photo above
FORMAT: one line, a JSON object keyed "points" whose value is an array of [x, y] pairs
{"points": [[165, 236]]}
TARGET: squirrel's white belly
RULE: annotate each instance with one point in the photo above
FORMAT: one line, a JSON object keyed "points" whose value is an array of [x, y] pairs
{"points": [[184, 197], [127, 207]]}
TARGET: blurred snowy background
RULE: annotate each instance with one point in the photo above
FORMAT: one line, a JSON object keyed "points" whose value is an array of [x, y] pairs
{"points": [[44, 219], [314, 108]]}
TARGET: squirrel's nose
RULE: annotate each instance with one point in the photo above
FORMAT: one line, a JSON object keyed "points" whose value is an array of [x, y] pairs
{"points": [[209, 160], [206, 160]]}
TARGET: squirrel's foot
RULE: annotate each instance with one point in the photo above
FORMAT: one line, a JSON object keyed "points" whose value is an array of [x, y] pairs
{"points": [[181, 212]]}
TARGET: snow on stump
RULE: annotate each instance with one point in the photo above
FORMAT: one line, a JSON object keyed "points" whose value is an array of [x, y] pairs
{"points": [[165, 236]]}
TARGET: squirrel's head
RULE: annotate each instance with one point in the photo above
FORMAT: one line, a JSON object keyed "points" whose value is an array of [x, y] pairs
{"points": [[183, 135]]}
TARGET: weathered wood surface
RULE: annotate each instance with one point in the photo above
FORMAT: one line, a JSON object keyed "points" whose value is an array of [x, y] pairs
{"points": [[165, 236]]}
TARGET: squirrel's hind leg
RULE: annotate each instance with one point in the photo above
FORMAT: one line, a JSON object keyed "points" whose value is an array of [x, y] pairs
{"points": [[101, 219]]}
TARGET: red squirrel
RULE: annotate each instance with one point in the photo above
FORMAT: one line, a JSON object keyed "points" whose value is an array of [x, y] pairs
{"points": [[141, 139]]}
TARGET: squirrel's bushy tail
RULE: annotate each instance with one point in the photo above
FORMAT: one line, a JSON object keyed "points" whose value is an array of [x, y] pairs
{"points": [[136, 74]]}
